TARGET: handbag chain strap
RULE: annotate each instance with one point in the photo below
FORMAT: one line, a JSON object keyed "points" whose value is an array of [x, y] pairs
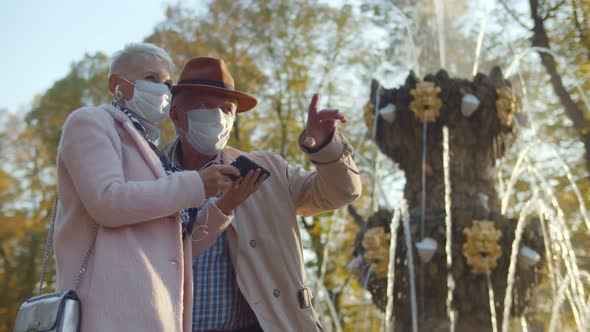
{"points": [[49, 245]]}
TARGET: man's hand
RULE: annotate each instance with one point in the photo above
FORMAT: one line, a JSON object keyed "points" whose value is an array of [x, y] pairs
{"points": [[240, 190], [216, 178], [320, 125]]}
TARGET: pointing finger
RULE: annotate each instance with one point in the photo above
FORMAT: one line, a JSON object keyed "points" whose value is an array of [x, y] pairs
{"points": [[313, 105]]}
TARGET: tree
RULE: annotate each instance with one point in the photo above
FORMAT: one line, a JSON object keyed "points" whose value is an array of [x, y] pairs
{"points": [[30, 147], [26, 190], [539, 14], [85, 84]]}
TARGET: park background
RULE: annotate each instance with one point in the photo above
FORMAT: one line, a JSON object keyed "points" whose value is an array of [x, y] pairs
{"points": [[56, 55]]}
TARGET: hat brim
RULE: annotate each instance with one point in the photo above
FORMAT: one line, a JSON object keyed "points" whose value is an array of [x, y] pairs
{"points": [[246, 102]]}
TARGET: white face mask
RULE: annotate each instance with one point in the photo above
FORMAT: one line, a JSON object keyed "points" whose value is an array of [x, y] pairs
{"points": [[209, 129], [150, 101]]}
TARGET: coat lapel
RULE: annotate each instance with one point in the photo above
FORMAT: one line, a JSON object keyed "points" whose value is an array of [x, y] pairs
{"points": [[148, 155]]}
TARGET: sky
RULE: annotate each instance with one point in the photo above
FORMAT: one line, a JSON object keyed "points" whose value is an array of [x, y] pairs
{"points": [[42, 38]]}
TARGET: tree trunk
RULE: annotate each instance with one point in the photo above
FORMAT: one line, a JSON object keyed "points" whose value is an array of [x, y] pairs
{"points": [[540, 39]]}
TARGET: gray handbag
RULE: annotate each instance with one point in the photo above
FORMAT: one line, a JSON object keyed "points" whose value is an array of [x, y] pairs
{"points": [[59, 312]]}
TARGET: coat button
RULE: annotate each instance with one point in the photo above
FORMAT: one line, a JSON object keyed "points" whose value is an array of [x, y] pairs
{"points": [[276, 292], [173, 261], [253, 243]]}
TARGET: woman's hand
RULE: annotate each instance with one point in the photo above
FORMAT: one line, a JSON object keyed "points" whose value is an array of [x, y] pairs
{"points": [[216, 178], [240, 190]]}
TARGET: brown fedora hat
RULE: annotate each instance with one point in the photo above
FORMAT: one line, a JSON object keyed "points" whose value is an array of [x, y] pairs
{"points": [[205, 74]]}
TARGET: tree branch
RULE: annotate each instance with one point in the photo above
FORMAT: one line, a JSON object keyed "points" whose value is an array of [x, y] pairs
{"points": [[583, 37], [552, 9], [514, 16], [305, 224], [7, 261], [355, 215]]}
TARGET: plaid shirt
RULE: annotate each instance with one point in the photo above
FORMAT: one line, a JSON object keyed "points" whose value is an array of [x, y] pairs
{"points": [[218, 301]]}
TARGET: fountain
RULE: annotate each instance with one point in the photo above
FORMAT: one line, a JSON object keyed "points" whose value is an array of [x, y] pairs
{"points": [[458, 263]]}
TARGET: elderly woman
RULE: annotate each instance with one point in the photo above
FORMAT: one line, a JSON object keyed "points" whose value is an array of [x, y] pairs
{"points": [[118, 213]]}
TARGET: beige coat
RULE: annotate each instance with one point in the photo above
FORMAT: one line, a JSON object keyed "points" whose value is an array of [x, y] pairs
{"points": [[139, 276], [265, 241]]}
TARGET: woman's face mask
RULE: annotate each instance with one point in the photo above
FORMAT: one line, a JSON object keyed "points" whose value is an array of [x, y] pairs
{"points": [[150, 100], [209, 129]]}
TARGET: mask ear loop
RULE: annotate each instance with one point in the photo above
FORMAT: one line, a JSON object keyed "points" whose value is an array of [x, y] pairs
{"points": [[119, 97]]}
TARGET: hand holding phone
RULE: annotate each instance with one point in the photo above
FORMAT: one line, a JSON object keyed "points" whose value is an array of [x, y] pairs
{"points": [[250, 181], [243, 164]]}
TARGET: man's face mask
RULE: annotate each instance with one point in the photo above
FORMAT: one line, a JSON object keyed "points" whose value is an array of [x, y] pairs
{"points": [[150, 100], [209, 129]]}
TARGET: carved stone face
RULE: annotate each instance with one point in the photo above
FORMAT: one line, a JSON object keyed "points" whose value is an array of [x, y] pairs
{"points": [[426, 103], [376, 244], [481, 247], [507, 105]]}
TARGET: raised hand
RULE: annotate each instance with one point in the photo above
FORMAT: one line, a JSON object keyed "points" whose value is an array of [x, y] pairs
{"points": [[240, 190], [216, 178], [320, 125]]}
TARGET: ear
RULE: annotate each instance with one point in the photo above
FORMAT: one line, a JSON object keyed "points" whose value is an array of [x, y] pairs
{"points": [[178, 118], [125, 87], [113, 81], [174, 114]]}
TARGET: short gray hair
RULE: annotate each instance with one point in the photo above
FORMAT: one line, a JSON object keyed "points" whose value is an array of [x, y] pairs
{"points": [[133, 50]]}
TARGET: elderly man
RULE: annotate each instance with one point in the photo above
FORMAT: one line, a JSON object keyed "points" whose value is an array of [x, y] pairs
{"points": [[252, 278]]}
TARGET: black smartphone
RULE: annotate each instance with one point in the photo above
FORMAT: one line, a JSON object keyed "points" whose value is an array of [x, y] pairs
{"points": [[243, 164]]}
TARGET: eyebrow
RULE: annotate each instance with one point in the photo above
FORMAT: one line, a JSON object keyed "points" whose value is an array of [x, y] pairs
{"points": [[152, 72]]}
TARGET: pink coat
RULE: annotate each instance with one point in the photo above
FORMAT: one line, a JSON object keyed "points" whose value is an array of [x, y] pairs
{"points": [[139, 276]]}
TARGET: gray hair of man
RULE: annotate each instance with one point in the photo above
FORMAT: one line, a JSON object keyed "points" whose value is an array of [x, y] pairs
{"points": [[134, 50]]}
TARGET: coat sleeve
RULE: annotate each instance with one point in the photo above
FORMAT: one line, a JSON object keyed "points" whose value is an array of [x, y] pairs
{"points": [[90, 151], [210, 223], [334, 183]]}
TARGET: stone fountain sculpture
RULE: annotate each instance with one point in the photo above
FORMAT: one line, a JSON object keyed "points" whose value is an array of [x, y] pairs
{"points": [[479, 115]]}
